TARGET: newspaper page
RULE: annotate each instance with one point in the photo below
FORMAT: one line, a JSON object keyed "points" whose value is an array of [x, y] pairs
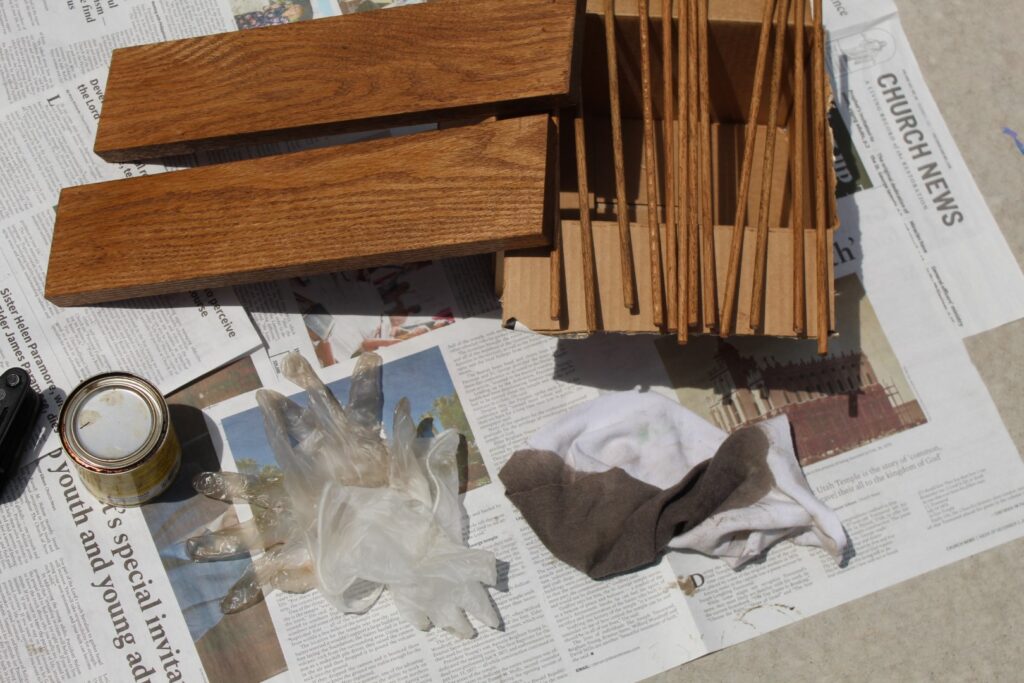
{"points": [[899, 435], [896, 159], [82, 587], [894, 429]]}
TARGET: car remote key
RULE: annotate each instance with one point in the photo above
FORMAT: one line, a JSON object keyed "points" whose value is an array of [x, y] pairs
{"points": [[18, 407]]}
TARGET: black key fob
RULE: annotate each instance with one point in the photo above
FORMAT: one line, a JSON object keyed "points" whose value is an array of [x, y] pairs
{"points": [[18, 407]]}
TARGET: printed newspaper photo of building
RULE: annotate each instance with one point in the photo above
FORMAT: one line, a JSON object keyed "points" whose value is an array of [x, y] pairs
{"points": [[853, 396]]}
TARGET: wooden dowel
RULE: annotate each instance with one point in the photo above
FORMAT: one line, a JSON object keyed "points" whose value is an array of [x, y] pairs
{"points": [[763, 215], [736, 245], [683, 177], [693, 203], [798, 118], [708, 285], [586, 233], [556, 223], [668, 118], [622, 208], [657, 314], [820, 179]]}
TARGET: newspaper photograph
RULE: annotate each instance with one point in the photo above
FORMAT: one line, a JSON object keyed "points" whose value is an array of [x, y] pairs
{"points": [[855, 395], [338, 316]]}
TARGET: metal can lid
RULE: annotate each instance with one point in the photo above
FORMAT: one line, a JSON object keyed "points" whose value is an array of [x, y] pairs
{"points": [[113, 421]]}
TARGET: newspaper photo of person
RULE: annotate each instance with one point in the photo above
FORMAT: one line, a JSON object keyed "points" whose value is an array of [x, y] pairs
{"points": [[260, 13], [351, 313]]}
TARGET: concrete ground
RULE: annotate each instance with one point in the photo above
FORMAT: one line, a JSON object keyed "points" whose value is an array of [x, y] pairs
{"points": [[963, 622]]}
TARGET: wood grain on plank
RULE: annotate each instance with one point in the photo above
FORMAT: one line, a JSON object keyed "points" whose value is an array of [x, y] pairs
{"points": [[554, 190], [693, 128], [355, 72], [587, 240], [452, 192]]}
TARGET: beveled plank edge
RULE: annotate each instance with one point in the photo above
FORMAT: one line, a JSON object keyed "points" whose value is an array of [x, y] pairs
{"points": [[516, 108]]}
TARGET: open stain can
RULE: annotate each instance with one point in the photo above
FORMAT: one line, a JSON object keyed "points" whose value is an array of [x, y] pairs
{"points": [[117, 430]]}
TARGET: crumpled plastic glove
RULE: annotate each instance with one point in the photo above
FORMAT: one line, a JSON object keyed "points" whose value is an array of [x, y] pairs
{"points": [[285, 565], [353, 513]]}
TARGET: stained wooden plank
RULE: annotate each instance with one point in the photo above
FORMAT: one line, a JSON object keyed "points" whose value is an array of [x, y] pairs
{"points": [[452, 192], [354, 72]]}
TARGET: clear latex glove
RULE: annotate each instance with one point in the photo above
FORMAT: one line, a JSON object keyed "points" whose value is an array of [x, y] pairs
{"points": [[353, 513], [286, 564], [407, 536]]}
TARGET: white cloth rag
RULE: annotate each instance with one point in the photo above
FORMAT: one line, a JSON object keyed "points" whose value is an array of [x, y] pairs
{"points": [[657, 441]]}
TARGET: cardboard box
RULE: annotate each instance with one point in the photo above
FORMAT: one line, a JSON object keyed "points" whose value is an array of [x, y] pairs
{"points": [[732, 51]]}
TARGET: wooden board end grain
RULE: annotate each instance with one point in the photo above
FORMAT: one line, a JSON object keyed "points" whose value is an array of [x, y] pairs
{"points": [[365, 71], [452, 192]]}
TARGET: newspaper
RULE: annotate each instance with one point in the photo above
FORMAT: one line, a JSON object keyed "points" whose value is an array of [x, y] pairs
{"points": [[896, 430], [899, 435], [170, 340], [900, 172]]}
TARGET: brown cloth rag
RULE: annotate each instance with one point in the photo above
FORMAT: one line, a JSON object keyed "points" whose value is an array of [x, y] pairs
{"points": [[606, 523]]}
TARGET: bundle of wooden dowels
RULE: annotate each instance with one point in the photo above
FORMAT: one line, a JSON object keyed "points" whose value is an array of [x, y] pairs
{"points": [[735, 140]]}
